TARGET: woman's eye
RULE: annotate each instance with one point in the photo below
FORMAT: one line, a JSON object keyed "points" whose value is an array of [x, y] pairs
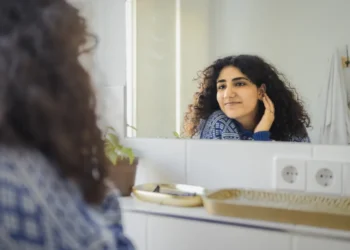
{"points": [[240, 84], [221, 87]]}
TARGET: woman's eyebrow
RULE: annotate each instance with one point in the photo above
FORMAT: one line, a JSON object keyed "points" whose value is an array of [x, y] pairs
{"points": [[234, 79], [221, 80], [240, 78]]}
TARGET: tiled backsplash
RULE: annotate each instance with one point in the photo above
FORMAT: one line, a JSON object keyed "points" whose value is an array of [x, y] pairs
{"points": [[220, 164], [217, 164]]}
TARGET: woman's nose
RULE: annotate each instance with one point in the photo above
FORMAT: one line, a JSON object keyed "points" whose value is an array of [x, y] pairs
{"points": [[230, 91]]}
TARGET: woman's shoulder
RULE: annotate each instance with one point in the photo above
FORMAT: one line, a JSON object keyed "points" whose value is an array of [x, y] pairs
{"points": [[27, 167], [219, 119], [218, 116], [219, 126], [32, 192]]}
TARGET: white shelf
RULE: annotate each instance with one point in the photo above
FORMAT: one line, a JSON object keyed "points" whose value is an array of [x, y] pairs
{"points": [[132, 205]]}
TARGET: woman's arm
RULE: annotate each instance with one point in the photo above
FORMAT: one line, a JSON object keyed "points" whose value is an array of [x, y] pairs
{"points": [[265, 136], [262, 136]]}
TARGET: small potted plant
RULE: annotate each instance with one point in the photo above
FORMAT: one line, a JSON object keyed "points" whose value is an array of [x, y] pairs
{"points": [[122, 168]]}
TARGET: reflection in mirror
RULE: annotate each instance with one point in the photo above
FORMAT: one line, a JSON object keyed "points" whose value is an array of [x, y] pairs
{"points": [[240, 70], [237, 100]]}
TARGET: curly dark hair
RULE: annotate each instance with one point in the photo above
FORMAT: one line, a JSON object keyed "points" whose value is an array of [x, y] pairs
{"points": [[47, 98], [291, 118]]}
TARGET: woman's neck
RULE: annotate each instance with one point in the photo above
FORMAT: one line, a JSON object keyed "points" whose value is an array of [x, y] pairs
{"points": [[247, 125], [248, 122]]}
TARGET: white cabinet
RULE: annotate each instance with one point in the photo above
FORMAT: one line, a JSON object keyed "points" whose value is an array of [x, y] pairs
{"points": [[135, 226], [152, 232], [166, 233], [307, 243]]}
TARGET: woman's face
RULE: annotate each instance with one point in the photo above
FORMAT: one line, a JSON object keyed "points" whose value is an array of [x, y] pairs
{"points": [[237, 96]]}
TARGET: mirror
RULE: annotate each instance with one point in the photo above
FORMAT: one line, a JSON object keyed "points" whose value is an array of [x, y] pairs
{"points": [[171, 42]]}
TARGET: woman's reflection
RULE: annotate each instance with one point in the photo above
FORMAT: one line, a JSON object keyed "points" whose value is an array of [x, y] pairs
{"points": [[245, 98]]}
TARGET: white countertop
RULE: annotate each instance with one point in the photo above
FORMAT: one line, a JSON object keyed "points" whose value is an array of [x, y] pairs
{"points": [[131, 204]]}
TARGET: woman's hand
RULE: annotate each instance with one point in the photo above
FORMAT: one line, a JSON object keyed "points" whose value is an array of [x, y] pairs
{"points": [[268, 117]]}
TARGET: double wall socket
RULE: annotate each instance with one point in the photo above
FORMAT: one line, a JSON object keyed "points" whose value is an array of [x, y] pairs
{"points": [[309, 175]]}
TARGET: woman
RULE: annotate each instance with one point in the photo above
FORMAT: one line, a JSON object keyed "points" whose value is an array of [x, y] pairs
{"points": [[245, 98], [53, 192]]}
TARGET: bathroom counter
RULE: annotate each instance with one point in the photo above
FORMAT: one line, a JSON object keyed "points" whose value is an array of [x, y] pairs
{"points": [[133, 208]]}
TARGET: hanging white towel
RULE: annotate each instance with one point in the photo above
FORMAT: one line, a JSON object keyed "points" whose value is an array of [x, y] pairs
{"points": [[333, 107]]}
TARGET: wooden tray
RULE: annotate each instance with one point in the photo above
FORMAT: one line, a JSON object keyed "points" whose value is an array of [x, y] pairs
{"points": [[295, 208], [170, 194]]}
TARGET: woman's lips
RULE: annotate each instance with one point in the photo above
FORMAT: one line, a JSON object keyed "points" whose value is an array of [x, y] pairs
{"points": [[232, 103]]}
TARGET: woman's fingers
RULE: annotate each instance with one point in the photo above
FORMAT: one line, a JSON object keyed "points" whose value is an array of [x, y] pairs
{"points": [[268, 103], [272, 106]]}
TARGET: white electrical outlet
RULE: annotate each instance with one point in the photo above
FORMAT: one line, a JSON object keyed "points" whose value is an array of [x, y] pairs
{"points": [[324, 177], [289, 173]]}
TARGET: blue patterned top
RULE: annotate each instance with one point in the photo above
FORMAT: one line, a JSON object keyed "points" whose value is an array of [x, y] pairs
{"points": [[220, 127], [39, 210]]}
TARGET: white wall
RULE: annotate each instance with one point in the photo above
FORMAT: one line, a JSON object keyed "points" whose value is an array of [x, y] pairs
{"points": [[106, 19]]}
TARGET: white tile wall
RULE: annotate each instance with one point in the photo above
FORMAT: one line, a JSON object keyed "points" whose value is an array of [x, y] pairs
{"points": [[161, 160], [236, 164], [109, 26], [113, 108], [233, 164], [222, 164], [333, 153]]}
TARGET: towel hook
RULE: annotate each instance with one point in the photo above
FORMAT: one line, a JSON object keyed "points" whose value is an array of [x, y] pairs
{"points": [[346, 60]]}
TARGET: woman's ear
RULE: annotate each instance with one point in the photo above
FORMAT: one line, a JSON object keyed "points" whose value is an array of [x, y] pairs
{"points": [[261, 91]]}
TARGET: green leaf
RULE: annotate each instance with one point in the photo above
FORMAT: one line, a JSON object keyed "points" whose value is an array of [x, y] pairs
{"points": [[111, 155], [114, 151], [128, 153], [113, 139], [108, 146], [176, 134]]}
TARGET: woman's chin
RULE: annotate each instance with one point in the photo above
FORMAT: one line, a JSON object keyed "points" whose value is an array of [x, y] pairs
{"points": [[232, 115]]}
